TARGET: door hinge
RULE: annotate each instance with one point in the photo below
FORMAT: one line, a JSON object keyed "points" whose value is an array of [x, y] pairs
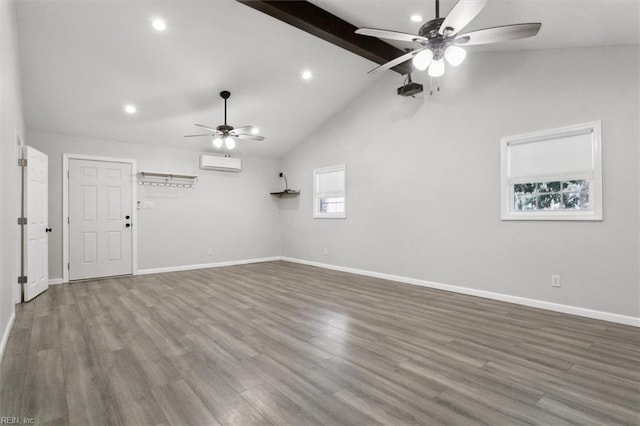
{"points": [[22, 162], [22, 221], [68, 220], [22, 279], [69, 266]]}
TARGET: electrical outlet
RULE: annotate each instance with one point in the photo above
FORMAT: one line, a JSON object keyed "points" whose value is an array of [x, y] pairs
{"points": [[209, 251], [555, 280], [325, 251]]}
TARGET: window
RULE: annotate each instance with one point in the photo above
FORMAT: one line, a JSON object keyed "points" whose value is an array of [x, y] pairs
{"points": [[558, 195], [553, 175], [329, 190]]}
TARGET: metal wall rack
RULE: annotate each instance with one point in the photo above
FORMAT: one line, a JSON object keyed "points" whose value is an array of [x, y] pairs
{"points": [[167, 179]]}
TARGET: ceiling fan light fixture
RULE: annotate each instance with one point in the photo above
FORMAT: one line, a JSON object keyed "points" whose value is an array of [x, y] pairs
{"points": [[255, 131], [217, 141], [455, 55], [436, 69], [229, 142], [422, 60]]}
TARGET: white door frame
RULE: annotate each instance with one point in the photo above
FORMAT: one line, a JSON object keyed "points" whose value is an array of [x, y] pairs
{"points": [[65, 208], [17, 293]]}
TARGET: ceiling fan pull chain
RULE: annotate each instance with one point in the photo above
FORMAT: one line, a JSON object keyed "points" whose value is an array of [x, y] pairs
{"points": [[437, 85]]}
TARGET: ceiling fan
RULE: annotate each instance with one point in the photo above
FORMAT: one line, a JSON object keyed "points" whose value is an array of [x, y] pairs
{"points": [[439, 38], [226, 134]]}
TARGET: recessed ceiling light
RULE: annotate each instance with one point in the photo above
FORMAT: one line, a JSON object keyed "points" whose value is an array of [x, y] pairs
{"points": [[130, 109], [159, 24], [416, 18], [306, 75]]}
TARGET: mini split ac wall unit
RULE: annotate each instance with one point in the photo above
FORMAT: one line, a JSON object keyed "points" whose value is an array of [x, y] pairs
{"points": [[226, 164]]}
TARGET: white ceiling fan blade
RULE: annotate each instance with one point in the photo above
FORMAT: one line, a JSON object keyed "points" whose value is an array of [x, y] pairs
{"points": [[498, 34], [396, 61], [197, 136], [249, 137], [391, 35], [206, 127], [462, 13], [242, 129]]}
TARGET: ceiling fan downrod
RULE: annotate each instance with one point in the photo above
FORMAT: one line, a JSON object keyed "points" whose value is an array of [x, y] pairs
{"points": [[225, 94]]}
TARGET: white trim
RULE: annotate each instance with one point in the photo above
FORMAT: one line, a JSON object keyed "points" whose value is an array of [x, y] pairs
{"points": [[17, 288], [207, 265], [595, 174], [56, 281], [5, 335], [65, 208], [556, 307]]}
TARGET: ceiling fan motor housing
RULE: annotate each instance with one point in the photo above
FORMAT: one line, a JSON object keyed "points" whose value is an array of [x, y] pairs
{"points": [[437, 42], [430, 29]]}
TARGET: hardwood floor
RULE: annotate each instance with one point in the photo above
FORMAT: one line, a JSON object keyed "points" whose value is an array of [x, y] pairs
{"points": [[286, 344]]}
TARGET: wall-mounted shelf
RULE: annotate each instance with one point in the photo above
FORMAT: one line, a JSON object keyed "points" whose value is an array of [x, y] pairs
{"points": [[167, 179], [285, 193]]}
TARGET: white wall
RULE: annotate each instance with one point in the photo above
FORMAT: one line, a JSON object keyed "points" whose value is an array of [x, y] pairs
{"points": [[11, 126], [232, 213], [424, 180]]}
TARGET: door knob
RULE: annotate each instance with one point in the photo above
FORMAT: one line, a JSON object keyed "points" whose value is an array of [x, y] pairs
{"points": [[47, 230], [128, 225], [126, 217]]}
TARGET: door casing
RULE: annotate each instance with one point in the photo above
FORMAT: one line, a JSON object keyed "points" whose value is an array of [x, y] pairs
{"points": [[65, 208]]}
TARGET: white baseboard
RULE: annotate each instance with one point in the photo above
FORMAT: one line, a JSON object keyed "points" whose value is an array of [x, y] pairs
{"points": [[5, 335], [206, 265], [55, 281], [556, 307]]}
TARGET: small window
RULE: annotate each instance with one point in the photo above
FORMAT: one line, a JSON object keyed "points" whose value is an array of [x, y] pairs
{"points": [[553, 174], [329, 190]]}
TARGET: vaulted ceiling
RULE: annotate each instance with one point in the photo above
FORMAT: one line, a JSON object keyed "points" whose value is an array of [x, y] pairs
{"points": [[82, 61]]}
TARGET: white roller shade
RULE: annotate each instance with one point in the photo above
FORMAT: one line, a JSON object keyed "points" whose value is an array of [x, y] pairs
{"points": [[331, 181], [561, 155]]}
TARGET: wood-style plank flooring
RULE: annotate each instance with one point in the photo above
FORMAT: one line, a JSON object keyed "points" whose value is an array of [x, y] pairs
{"points": [[285, 344]]}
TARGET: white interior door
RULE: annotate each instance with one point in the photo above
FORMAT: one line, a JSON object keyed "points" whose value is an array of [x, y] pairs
{"points": [[100, 219], [36, 247]]}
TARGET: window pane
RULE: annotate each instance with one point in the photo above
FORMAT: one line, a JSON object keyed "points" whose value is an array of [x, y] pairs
{"points": [[525, 202], [549, 187], [575, 200], [524, 188], [550, 201], [575, 186], [332, 205]]}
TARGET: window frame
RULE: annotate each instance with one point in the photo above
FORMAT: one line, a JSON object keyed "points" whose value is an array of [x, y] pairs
{"points": [[593, 175], [317, 214]]}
